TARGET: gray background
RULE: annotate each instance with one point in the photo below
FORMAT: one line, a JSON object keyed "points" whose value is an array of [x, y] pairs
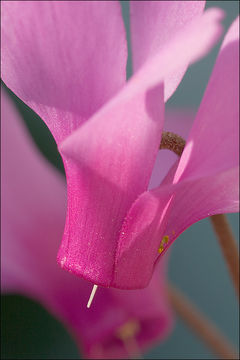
{"points": [[196, 264]]}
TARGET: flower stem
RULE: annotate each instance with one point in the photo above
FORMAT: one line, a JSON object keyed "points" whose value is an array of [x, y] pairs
{"points": [[228, 245], [207, 331]]}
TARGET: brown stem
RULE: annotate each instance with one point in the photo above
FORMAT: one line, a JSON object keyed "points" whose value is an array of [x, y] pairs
{"points": [[228, 246], [212, 337]]}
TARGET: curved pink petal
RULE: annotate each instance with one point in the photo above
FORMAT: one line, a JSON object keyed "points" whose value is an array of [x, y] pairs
{"points": [[213, 143], [153, 24], [168, 211], [63, 59], [206, 179], [109, 160], [32, 218]]}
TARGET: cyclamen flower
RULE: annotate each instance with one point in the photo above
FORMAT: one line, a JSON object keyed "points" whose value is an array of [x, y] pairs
{"points": [[67, 62], [33, 204]]}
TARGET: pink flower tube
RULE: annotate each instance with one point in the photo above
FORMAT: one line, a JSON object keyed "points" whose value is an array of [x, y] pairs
{"points": [[67, 62], [33, 213]]}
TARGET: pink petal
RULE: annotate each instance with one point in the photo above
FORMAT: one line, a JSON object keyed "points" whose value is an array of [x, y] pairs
{"points": [[147, 308], [110, 158], [97, 327], [108, 163], [63, 59], [153, 24], [213, 144], [207, 176], [33, 204], [31, 192], [168, 211]]}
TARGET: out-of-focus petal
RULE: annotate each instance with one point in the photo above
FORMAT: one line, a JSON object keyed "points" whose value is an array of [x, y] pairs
{"points": [[110, 158], [153, 24], [97, 327], [32, 219], [148, 308], [207, 175], [63, 59], [32, 191]]}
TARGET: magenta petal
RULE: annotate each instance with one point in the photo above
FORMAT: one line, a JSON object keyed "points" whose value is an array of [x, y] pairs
{"points": [[95, 329], [32, 218], [168, 211], [153, 24], [65, 59], [108, 164], [110, 158], [152, 310], [206, 179]]}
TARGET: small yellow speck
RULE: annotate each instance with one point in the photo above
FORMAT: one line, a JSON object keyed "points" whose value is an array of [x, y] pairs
{"points": [[160, 250], [165, 239]]}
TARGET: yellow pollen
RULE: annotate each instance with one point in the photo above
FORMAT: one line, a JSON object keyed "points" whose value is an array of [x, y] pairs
{"points": [[164, 240], [160, 250]]}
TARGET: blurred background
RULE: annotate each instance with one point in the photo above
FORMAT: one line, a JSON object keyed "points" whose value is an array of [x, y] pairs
{"points": [[196, 265]]}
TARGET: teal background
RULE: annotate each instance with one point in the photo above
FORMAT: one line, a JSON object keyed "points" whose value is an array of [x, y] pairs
{"points": [[196, 265]]}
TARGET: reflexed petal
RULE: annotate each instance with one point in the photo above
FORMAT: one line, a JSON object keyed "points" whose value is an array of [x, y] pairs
{"points": [[153, 24], [109, 159], [168, 211], [213, 143], [207, 176], [63, 59]]}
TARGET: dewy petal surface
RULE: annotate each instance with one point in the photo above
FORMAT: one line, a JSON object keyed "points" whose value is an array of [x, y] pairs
{"points": [[168, 211], [206, 180], [32, 222], [64, 59], [100, 186], [153, 24], [112, 155]]}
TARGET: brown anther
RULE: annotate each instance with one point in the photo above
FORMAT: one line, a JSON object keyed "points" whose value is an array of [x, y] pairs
{"points": [[172, 142]]}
